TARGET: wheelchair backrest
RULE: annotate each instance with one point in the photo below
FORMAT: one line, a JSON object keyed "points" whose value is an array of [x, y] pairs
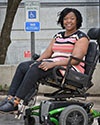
{"points": [[93, 53], [91, 57]]}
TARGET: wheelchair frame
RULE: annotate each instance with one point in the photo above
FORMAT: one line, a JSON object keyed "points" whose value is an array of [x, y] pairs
{"points": [[50, 118], [63, 107]]}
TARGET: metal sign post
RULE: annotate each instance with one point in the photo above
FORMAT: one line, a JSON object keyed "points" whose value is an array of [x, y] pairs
{"points": [[32, 23], [32, 43]]}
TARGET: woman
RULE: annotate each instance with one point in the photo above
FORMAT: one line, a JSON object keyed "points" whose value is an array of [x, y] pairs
{"points": [[72, 41]]}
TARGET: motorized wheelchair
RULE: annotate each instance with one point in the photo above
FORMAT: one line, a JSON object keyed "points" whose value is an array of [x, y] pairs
{"points": [[64, 106]]}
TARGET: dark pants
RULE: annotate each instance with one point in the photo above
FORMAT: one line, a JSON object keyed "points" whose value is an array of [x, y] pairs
{"points": [[25, 79]]}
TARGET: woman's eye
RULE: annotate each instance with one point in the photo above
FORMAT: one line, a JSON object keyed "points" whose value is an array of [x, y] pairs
{"points": [[72, 18]]}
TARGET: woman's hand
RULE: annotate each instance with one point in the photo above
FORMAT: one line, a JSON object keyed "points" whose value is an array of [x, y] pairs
{"points": [[46, 65]]}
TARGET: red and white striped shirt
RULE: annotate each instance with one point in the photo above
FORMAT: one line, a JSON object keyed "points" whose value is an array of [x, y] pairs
{"points": [[63, 47]]}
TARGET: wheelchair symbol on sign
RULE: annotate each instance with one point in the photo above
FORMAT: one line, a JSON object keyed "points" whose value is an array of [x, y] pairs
{"points": [[32, 14]]}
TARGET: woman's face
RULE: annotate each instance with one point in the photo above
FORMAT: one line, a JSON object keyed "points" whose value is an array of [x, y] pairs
{"points": [[70, 22]]}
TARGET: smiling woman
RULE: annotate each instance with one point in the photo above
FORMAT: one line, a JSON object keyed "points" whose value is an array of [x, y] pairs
{"points": [[72, 41]]}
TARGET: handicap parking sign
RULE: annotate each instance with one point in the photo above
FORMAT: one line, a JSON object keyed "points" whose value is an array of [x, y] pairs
{"points": [[32, 10], [32, 26], [32, 14]]}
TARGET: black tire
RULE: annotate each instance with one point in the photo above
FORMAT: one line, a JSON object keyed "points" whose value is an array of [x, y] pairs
{"points": [[29, 121], [73, 115]]}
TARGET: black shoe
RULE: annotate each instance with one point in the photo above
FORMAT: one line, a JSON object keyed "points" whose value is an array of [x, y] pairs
{"points": [[8, 107], [4, 101]]}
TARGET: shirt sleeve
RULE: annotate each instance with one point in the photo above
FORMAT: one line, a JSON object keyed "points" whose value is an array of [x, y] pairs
{"points": [[82, 34], [60, 35]]}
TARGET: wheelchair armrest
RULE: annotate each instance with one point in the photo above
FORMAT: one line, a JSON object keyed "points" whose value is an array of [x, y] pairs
{"points": [[35, 56], [75, 58]]}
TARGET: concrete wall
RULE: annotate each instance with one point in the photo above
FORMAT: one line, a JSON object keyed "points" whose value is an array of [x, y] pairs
{"points": [[7, 72]]}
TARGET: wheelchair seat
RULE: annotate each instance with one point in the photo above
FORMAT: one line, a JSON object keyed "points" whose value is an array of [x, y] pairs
{"points": [[76, 82]]}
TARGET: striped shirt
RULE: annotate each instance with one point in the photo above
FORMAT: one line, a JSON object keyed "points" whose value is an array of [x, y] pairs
{"points": [[63, 47]]}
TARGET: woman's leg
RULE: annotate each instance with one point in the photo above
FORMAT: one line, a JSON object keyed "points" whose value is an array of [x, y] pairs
{"points": [[30, 80], [18, 77]]}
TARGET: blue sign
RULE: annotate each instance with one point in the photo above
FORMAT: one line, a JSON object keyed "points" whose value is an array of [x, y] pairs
{"points": [[32, 26], [32, 14]]}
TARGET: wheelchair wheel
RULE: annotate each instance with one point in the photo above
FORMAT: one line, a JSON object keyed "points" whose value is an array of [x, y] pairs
{"points": [[73, 115], [29, 121]]}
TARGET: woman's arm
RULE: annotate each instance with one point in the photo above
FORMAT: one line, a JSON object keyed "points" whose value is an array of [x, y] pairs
{"points": [[48, 52], [80, 49]]}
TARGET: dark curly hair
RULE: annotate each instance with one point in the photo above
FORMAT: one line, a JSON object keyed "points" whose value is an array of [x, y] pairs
{"points": [[65, 11]]}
